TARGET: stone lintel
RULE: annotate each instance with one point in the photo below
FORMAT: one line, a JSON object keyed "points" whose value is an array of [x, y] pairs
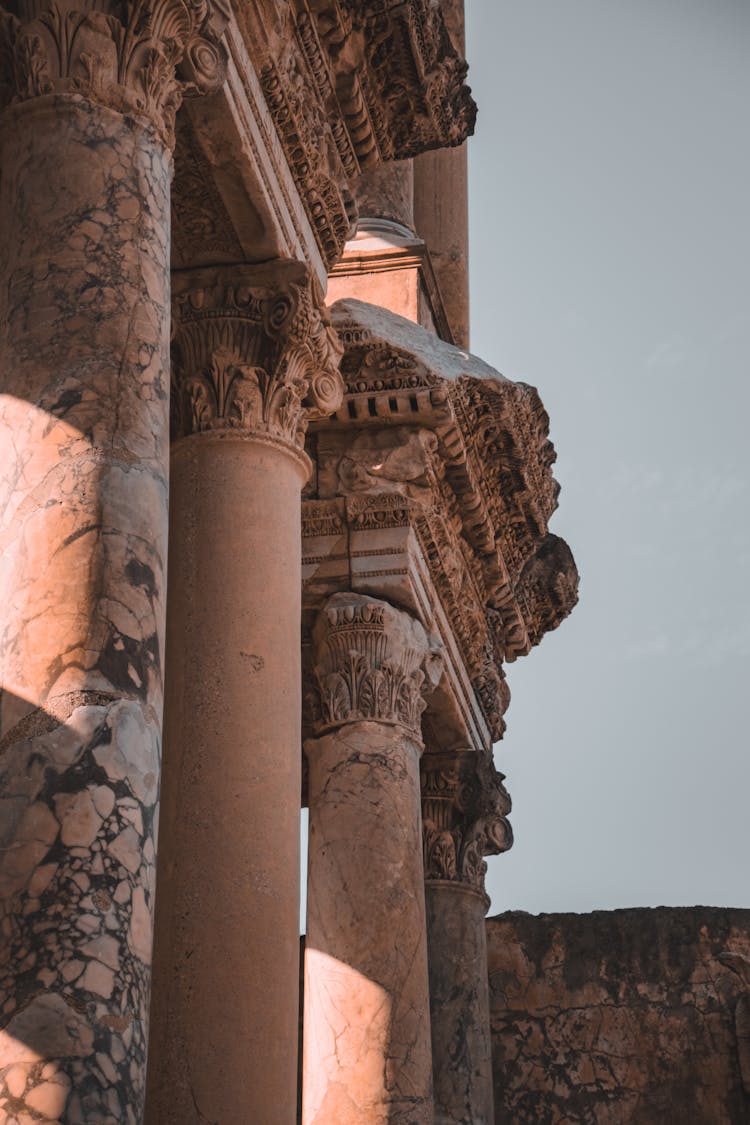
{"points": [[309, 101]]}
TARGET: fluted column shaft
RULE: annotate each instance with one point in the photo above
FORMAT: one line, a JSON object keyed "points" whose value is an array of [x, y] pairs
{"points": [[464, 808], [87, 103], [250, 345], [366, 1027]]}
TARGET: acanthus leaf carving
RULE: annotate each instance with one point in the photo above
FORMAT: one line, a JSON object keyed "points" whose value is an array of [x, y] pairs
{"points": [[135, 56], [253, 351], [464, 812], [372, 662]]}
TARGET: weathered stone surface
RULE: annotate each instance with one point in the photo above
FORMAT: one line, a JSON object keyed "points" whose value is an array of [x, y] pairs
{"points": [[84, 350], [367, 1058], [628, 1017]]}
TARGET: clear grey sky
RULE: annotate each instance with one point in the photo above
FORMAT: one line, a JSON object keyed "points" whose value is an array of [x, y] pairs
{"points": [[610, 267]]}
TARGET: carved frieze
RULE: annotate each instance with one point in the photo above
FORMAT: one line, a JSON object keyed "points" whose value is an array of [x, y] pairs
{"points": [[349, 84], [137, 57], [253, 350], [465, 462], [371, 662], [464, 814], [398, 79]]}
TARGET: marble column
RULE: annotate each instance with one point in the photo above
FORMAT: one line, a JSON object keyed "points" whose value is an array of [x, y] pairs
{"points": [[88, 95], [366, 1028], [464, 806], [253, 355]]}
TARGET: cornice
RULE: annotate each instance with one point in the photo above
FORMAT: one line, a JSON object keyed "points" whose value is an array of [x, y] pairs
{"points": [[495, 461]]}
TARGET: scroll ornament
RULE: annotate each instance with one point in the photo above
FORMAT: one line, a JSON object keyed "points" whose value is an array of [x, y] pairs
{"points": [[139, 57]]}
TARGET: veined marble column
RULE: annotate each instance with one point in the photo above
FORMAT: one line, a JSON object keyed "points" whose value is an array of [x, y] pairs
{"points": [[366, 1028], [88, 95], [253, 352], [464, 807]]}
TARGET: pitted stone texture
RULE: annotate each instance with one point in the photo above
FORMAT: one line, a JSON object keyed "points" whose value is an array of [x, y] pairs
{"points": [[367, 1033], [459, 1004], [84, 413], [84, 332], [75, 915], [625, 1017]]}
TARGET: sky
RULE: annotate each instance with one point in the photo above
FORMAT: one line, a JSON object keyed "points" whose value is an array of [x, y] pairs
{"points": [[610, 267]]}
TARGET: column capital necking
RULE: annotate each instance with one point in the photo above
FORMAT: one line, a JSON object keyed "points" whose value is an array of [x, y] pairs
{"points": [[372, 662], [135, 56], [253, 351]]}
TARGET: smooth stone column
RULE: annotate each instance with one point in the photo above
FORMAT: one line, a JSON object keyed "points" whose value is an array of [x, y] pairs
{"points": [[366, 1028], [441, 207], [85, 151], [251, 344], [464, 808]]}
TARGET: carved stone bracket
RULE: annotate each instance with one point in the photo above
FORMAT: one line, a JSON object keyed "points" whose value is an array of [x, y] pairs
{"points": [[135, 56], [372, 661], [253, 351], [464, 814]]}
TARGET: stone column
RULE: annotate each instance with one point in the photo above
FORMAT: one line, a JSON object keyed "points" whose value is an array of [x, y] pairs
{"points": [[386, 192], [88, 95], [253, 354], [464, 807], [366, 1028], [441, 207]]}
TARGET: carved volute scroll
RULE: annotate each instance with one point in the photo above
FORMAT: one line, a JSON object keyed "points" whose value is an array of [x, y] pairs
{"points": [[136, 56], [464, 813], [372, 662], [253, 350]]}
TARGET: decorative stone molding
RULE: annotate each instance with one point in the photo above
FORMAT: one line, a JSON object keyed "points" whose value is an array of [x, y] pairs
{"points": [[485, 498], [363, 45], [464, 814], [253, 351], [372, 662], [135, 56]]}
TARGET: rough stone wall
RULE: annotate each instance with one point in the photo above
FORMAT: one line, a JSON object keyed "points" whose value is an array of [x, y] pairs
{"points": [[624, 1016]]}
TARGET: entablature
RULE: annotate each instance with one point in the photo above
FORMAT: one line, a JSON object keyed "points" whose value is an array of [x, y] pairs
{"points": [[316, 91], [438, 472]]}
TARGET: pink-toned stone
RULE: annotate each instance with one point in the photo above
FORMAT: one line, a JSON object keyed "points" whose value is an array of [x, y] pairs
{"points": [[367, 1035], [227, 929]]}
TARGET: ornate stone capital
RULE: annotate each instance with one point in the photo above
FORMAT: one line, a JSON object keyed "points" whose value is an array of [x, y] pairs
{"points": [[253, 350], [372, 662], [464, 814], [135, 56]]}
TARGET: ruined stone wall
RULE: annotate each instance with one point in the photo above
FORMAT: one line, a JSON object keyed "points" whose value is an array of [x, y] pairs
{"points": [[625, 1016]]}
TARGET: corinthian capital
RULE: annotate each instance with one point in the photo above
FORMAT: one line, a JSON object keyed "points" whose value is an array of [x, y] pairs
{"points": [[464, 813], [136, 56], [373, 662], [253, 350]]}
